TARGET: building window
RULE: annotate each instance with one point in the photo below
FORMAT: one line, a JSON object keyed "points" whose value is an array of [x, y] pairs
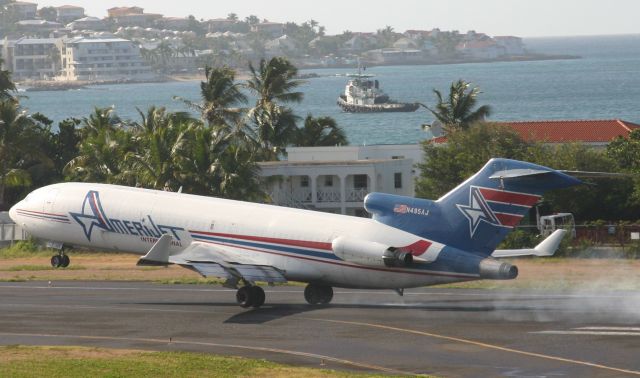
{"points": [[397, 180], [328, 181], [360, 181], [304, 181]]}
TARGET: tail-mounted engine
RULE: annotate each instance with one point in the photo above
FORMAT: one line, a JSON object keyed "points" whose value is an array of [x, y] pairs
{"points": [[370, 253]]}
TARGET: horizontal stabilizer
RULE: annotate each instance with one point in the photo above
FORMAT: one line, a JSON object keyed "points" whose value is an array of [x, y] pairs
{"points": [[514, 173], [158, 254], [546, 248]]}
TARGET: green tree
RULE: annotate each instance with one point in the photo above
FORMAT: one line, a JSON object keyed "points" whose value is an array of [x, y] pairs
{"points": [[15, 145], [104, 142], [458, 111], [386, 36], [602, 198], [214, 164], [252, 20], [322, 131], [275, 127], [157, 147], [446, 43], [7, 86], [465, 152], [221, 97], [48, 13], [626, 151], [273, 83]]}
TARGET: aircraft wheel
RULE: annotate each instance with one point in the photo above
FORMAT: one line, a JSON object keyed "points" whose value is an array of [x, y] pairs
{"points": [[244, 297], [56, 261], [318, 294], [65, 261], [258, 296], [326, 294]]}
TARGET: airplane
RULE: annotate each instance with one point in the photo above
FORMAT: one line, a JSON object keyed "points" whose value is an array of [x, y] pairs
{"points": [[408, 242]]}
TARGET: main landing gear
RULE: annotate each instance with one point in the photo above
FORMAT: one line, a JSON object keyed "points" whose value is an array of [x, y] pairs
{"points": [[250, 296], [61, 260], [318, 294]]}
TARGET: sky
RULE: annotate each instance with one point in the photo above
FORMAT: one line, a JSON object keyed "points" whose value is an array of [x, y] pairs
{"points": [[524, 18]]}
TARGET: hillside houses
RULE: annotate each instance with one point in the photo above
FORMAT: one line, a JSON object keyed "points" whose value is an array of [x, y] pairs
{"points": [[173, 43], [22, 10], [67, 13]]}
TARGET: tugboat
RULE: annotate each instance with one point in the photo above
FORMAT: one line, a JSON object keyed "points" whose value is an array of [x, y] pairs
{"points": [[363, 95]]}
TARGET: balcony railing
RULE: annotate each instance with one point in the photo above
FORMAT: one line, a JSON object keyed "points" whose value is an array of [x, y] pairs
{"points": [[356, 195]]}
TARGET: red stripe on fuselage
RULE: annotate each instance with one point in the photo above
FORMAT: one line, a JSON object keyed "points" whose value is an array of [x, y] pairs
{"points": [[95, 203], [294, 243], [39, 212], [462, 276], [521, 199]]}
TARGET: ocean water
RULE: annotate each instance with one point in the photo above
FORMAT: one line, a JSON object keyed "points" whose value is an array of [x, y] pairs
{"points": [[603, 84]]}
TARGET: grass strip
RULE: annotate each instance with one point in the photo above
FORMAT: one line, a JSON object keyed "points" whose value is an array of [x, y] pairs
{"points": [[70, 362]]}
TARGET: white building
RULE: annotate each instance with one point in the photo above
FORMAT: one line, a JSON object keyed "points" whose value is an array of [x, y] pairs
{"points": [[103, 59], [512, 45], [273, 29], [23, 10], [87, 23], [68, 13], [336, 179], [32, 58]]}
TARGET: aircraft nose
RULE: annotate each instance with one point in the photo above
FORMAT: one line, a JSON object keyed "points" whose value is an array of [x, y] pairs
{"points": [[13, 212]]}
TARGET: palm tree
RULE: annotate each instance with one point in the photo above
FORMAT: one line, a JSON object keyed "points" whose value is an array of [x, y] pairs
{"points": [[275, 129], [274, 84], [274, 81], [157, 118], [6, 85], [158, 143], [103, 145], [213, 164], [221, 96], [457, 111], [15, 145], [387, 36], [321, 131], [165, 52], [101, 119]]}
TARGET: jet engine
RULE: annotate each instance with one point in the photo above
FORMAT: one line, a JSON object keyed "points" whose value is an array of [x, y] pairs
{"points": [[370, 253], [497, 270]]}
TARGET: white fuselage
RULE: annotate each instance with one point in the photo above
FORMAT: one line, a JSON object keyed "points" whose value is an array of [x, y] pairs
{"points": [[298, 242]]}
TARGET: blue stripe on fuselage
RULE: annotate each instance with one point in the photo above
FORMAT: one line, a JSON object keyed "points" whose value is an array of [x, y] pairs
{"points": [[305, 252]]}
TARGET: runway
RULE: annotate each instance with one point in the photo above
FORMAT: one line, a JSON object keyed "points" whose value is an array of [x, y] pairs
{"points": [[444, 332]]}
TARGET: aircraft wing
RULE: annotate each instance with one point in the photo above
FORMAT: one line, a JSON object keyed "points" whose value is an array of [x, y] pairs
{"points": [[211, 261], [546, 248]]}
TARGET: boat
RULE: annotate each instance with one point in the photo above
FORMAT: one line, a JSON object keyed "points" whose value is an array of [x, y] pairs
{"points": [[363, 95]]}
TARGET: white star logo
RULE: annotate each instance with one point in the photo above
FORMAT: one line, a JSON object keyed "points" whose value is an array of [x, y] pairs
{"points": [[478, 211], [92, 215]]}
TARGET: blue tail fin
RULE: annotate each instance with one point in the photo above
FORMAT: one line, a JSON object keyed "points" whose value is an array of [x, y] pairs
{"points": [[477, 214]]}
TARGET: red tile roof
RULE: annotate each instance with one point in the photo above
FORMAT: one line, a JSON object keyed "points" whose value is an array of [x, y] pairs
{"points": [[583, 131]]}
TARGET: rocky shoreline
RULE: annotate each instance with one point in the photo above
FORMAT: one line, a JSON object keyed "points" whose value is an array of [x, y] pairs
{"points": [[37, 86]]}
